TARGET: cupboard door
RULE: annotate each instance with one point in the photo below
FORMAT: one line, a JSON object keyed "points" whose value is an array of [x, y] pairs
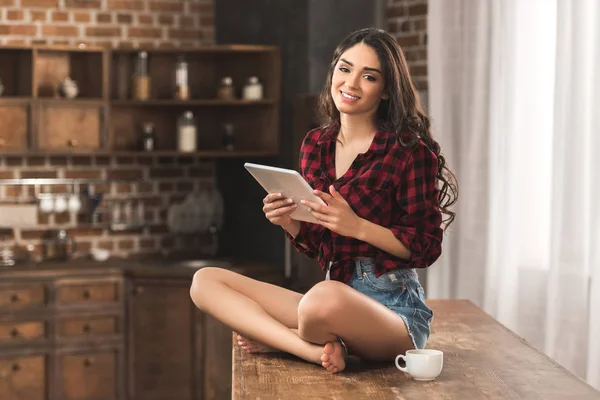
{"points": [[160, 343], [72, 126], [14, 120], [89, 376], [23, 377]]}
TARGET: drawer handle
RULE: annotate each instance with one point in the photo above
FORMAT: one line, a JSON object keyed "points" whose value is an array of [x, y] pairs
{"points": [[14, 298], [72, 142], [86, 328], [138, 290], [14, 333], [2, 142], [86, 294], [88, 362], [16, 367]]}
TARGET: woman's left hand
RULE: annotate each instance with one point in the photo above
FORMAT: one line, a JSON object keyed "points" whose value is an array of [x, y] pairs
{"points": [[337, 215]]}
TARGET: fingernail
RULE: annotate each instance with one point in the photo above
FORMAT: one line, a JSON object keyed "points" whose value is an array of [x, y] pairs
{"points": [[290, 200], [302, 201]]}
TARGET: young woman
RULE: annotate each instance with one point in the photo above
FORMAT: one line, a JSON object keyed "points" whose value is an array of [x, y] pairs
{"points": [[385, 185]]}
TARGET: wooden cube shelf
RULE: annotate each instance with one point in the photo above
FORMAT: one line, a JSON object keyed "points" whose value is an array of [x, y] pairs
{"points": [[104, 118]]}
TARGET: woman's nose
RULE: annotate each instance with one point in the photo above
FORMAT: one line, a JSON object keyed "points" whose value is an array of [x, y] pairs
{"points": [[352, 80]]}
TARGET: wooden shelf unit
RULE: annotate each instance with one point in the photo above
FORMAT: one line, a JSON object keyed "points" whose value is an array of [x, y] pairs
{"points": [[105, 119]]}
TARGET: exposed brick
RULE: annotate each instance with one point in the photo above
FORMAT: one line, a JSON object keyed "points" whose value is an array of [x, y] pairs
{"points": [[127, 244], [421, 25], [82, 17], [201, 8], [12, 191], [38, 174], [185, 186], [155, 33], [145, 19], [151, 201], [59, 16], [122, 188], [105, 244], [97, 4], [58, 160], [147, 244], [397, 11], [125, 5], [145, 160], [40, 3], [145, 187], [16, 42], [167, 6], [104, 18], [418, 70], [7, 3], [124, 174], [411, 40], [165, 160], [81, 160], [164, 187], [63, 219], [58, 30], [200, 172], [103, 31], [124, 18], [165, 173], [39, 41], [207, 21], [185, 34], [417, 9], [121, 160], [36, 161], [166, 19], [24, 30], [83, 174], [15, 15], [27, 234], [37, 16], [7, 175], [86, 231]]}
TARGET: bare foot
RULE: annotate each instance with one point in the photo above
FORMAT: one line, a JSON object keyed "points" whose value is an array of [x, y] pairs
{"points": [[251, 346], [333, 358]]}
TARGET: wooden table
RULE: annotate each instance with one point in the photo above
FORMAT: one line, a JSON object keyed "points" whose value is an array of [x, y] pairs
{"points": [[482, 360]]}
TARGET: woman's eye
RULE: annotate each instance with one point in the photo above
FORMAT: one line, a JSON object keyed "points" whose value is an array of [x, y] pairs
{"points": [[370, 78], [344, 69]]}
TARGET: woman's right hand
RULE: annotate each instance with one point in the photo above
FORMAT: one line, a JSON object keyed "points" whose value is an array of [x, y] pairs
{"points": [[277, 209]]}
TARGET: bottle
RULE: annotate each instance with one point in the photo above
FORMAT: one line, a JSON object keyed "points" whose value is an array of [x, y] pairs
{"points": [[142, 78], [253, 89], [228, 136], [226, 90], [186, 132], [182, 91], [148, 137]]}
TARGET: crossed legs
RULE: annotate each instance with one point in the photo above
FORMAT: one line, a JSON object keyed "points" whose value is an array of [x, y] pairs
{"points": [[304, 325]]}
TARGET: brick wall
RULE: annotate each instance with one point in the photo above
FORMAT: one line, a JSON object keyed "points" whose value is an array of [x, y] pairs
{"points": [[117, 23], [407, 21]]}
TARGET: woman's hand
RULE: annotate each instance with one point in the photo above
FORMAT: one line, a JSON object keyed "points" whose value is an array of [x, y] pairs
{"points": [[277, 209], [337, 215]]}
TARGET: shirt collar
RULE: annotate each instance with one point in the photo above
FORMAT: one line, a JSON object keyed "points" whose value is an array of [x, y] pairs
{"points": [[381, 141]]}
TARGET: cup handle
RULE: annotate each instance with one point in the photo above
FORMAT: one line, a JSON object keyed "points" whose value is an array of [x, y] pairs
{"points": [[403, 369]]}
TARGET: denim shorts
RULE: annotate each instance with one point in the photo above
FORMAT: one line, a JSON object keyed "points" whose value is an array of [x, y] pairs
{"points": [[398, 290]]}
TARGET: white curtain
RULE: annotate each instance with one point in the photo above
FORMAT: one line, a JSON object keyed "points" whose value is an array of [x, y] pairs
{"points": [[514, 94]]}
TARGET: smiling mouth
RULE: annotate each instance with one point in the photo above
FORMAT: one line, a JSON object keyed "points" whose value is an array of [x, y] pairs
{"points": [[349, 96]]}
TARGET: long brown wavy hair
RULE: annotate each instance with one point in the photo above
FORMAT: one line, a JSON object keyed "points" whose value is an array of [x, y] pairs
{"points": [[401, 112]]}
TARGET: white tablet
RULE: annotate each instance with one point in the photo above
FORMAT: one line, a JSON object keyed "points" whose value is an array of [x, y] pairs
{"points": [[287, 182]]}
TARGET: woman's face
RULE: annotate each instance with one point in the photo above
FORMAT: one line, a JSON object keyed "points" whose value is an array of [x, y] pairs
{"points": [[357, 85]]}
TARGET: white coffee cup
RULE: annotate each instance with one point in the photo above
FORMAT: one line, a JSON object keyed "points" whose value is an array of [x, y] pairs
{"points": [[422, 365]]}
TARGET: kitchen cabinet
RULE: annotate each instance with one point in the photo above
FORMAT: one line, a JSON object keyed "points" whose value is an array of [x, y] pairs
{"points": [[118, 330], [105, 117]]}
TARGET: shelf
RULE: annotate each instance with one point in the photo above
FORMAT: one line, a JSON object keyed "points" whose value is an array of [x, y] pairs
{"points": [[59, 101], [14, 100], [217, 48], [198, 102], [158, 153]]}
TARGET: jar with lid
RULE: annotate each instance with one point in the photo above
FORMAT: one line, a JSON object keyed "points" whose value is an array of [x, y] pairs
{"points": [[141, 78], [226, 90], [7, 256], [148, 140], [253, 89], [186, 132], [182, 90]]}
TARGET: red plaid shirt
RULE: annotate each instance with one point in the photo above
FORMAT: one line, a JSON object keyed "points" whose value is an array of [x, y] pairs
{"points": [[390, 185]]}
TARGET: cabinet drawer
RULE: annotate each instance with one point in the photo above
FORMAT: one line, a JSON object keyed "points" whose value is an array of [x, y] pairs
{"points": [[91, 292], [23, 377], [88, 326], [89, 376], [13, 332], [22, 296]]}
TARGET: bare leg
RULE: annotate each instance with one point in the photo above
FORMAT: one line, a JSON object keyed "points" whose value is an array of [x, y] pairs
{"points": [[252, 346], [255, 309], [331, 309]]}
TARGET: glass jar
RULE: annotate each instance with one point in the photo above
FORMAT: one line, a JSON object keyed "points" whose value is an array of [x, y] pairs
{"points": [[182, 91], [186, 132], [141, 78], [148, 141], [253, 89], [226, 90]]}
